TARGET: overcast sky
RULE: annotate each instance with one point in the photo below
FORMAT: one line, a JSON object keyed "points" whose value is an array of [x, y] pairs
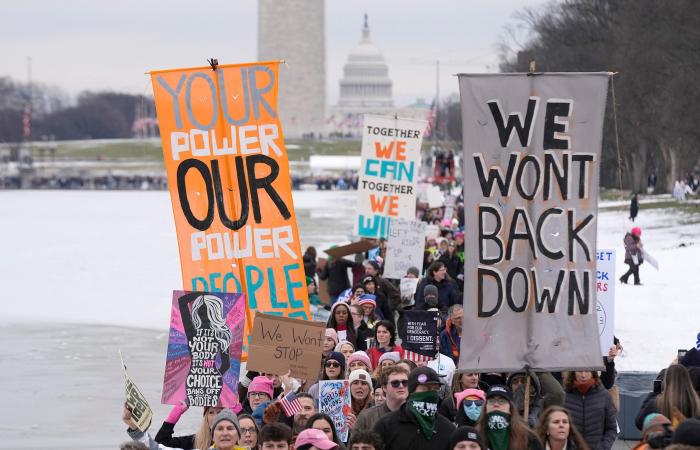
{"points": [[101, 45]]}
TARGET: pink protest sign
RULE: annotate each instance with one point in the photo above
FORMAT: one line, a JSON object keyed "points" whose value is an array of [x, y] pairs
{"points": [[204, 348]]}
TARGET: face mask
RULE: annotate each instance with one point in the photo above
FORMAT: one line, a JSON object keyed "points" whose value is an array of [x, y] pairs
{"points": [[423, 406], [472, 410], [498, 430]]}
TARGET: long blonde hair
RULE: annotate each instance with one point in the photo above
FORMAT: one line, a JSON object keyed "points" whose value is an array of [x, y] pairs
{"points": [[678, 395], [204, 437]]}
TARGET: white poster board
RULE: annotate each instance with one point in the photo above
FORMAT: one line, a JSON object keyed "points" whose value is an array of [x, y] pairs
{"points": [[605, 296], [404, 247]]}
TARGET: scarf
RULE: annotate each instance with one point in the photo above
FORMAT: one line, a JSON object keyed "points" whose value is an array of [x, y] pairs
{"points": [[584, 387], [498, 430], [423, 406]]}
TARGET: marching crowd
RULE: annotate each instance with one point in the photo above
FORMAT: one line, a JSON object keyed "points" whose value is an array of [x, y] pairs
{"points": [[402, 400]]}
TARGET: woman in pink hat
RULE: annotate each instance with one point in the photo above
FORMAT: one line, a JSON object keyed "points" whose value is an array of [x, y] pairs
{"points": [[633, 255], [469, 403]]}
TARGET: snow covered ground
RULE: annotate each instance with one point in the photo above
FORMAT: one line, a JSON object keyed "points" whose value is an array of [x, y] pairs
{"points": [[93, 257]]}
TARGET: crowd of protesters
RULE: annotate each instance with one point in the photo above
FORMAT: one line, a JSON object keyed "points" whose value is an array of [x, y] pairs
{"points": [[400, 400]]}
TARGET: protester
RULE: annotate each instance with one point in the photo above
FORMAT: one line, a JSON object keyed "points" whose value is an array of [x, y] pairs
{"points": [[362, 332], [677, 399], [200, 441], [686, 436], [347, 349], [501, 426], [466, 438], [365, 440], [469, 403], [384, 310], [330, 342], [312, 439], [451, 336], [140, 437], [336, 273], [378, 396], [340, 320], [309, 260], [656, 432], [359, 360], [453, 263], [692, 356], [390, 292], [447, 290], [633, 255], [260, 391], [308, 409], [323, 422], [385, 336], [417, 424], [225, 431], [360, 391], [592, 410], [371, 315], [465, 380], [557, 431], [634, 207], [275, 436], [249, 432], [394, 382], [333, 369]]}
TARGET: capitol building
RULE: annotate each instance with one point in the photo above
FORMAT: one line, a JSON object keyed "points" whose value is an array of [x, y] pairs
{"points": [[366, 89]]}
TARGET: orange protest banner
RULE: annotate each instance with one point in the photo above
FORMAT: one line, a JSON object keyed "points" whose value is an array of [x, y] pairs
{"points": [[230, 187]]}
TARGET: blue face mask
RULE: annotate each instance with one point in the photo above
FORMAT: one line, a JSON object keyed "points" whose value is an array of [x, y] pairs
{"points": [[472, 409]]}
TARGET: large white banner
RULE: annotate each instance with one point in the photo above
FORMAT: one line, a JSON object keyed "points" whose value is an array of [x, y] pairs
{"points": [[605, 295], [387, 179], [405, 247], [531, 169]]}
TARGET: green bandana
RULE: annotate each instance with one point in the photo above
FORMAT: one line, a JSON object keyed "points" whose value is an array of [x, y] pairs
{"points": [[498, 430], [423, 406]]}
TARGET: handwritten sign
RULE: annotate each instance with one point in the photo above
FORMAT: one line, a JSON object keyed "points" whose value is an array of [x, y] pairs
{"points": [[334, 400], [204, 349], [136, 402], [420, 332], [279, 344], [432, 231], [531, 153], [408, 288], [404, 247], [230, 185], [387, 178], [605, 296]]}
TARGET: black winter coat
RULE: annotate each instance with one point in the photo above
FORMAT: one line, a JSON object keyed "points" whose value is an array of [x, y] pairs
{"points": [[594, 415], [399, 430], [692, 358], [165, 437], [336, 272], [448, 294], [649, 406]]}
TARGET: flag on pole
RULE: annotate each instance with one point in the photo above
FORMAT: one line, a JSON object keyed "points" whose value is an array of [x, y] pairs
{"points": [[290, 404]]}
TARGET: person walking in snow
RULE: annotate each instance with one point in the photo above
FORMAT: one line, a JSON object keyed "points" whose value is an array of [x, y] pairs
{"points": [[633, 255], [634, 207]]}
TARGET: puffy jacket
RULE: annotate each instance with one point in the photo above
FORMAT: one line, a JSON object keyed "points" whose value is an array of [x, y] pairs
{"points": [[399, 430], [336, 272], [448, 293], [594, 416]]}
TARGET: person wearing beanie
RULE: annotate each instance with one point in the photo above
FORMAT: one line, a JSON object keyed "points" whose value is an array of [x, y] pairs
{"points": [[330, 342], [389, 358], [385, 337], [359, 360], [368, 303], [341, 321], [417, 424], [465, 438], [412, 272], [447, 290], [656, 432], [371, 287], [360, 391], [633, 255], [225, 431], [333, 369], [260, 391], [687, 433], [469, 403], [500, 424]]}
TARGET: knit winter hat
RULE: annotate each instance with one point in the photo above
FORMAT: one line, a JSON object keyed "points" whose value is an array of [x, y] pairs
{"points": [[459, 396], [413, 271], [361, 357], [261, 384], [430, 291], [331, 333], [361, 375], [226, 414], [339, 346], [688, 433], [391, 356], [636, 231], [654, 421], [464, 433], [368, 299]]}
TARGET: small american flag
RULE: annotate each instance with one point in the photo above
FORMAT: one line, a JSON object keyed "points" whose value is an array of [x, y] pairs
{"points": [[290, 404], [415, 357]]}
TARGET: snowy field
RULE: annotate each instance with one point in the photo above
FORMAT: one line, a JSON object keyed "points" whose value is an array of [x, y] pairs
{"points": [[110, 258]]}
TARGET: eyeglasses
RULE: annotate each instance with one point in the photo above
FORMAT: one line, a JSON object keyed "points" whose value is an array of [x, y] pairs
{"points": [[250, 430], [332, 364], [398, 383], [257, 395], [478, 403]]}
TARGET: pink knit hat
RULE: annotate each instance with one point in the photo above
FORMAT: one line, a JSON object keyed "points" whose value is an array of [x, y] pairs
{"points": [[331, 333], [261, 384], [478, 393], [362, 357]]}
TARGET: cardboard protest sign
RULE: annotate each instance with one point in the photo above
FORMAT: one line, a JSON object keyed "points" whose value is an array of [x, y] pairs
{"points": [[387, 177], [136, 402], [230, 188], [408, 288], [531, 174], [334, 400], [280, 344], [421, 332], [204, 349], [350, 249], [404, 247], [605, 298]]}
